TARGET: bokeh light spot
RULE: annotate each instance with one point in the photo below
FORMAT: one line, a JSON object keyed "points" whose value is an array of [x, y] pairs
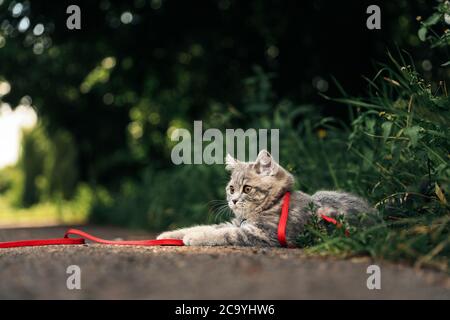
{"points": [[109, 62], [108, 98], [38, 29], [38, 48], [17, 10], [5, 88], [273, 52], [24, 24], [426, 65], [126, 17], [320, 84]]}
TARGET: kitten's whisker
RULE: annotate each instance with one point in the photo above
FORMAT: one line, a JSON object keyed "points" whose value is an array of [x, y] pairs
{"points": [[216, 208], [223, 210]]}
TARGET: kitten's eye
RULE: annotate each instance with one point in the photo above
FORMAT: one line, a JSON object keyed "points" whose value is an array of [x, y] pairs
{"points": [[247, 189], [231, 189]]}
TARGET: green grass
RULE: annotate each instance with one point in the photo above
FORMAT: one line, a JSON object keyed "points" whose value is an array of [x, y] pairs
{"points": [[64, 212], [41, 214], [398, 157]]}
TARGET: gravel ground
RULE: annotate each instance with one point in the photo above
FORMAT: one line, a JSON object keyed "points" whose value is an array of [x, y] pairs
{"points": [[113, 272]]}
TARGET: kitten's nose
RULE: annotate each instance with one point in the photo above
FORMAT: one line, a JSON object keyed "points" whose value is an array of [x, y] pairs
{"points": [[234, 201]]}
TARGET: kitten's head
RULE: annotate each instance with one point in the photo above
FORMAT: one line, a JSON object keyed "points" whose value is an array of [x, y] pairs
{"points": [[255, 186]]}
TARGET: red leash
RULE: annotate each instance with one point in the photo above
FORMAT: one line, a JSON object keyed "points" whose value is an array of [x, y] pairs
{"points": [[34, 243], [66, 240], [159, 242]]}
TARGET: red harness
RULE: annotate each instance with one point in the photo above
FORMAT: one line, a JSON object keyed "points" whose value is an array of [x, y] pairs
{"points": [[160, 242], [283, 220], [284, 217]]}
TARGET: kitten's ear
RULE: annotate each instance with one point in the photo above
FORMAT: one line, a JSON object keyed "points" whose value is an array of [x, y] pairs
{"points": [[230, 162], [265, 165]]}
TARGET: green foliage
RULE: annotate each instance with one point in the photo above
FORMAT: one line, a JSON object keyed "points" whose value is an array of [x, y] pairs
{"points": [[11, 182], [66, 212], [403, 133], [402, 137], [319, 232], [60, 174], [441, 16], [49, 166], [398, 157], [34, 146]]}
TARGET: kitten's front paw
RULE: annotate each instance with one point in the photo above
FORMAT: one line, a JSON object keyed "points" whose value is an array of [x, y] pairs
{"points": [[171, 235], [196, 239]]}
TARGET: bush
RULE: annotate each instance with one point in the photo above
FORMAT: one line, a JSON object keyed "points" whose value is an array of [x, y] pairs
{"points": [[31, 162], [11, 181], [401, 137]]}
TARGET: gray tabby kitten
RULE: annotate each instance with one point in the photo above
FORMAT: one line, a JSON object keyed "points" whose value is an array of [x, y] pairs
{"points": [[255, 195]]}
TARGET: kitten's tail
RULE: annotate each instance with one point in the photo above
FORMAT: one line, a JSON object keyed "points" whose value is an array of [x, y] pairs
{"points": [[351, 206]]}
